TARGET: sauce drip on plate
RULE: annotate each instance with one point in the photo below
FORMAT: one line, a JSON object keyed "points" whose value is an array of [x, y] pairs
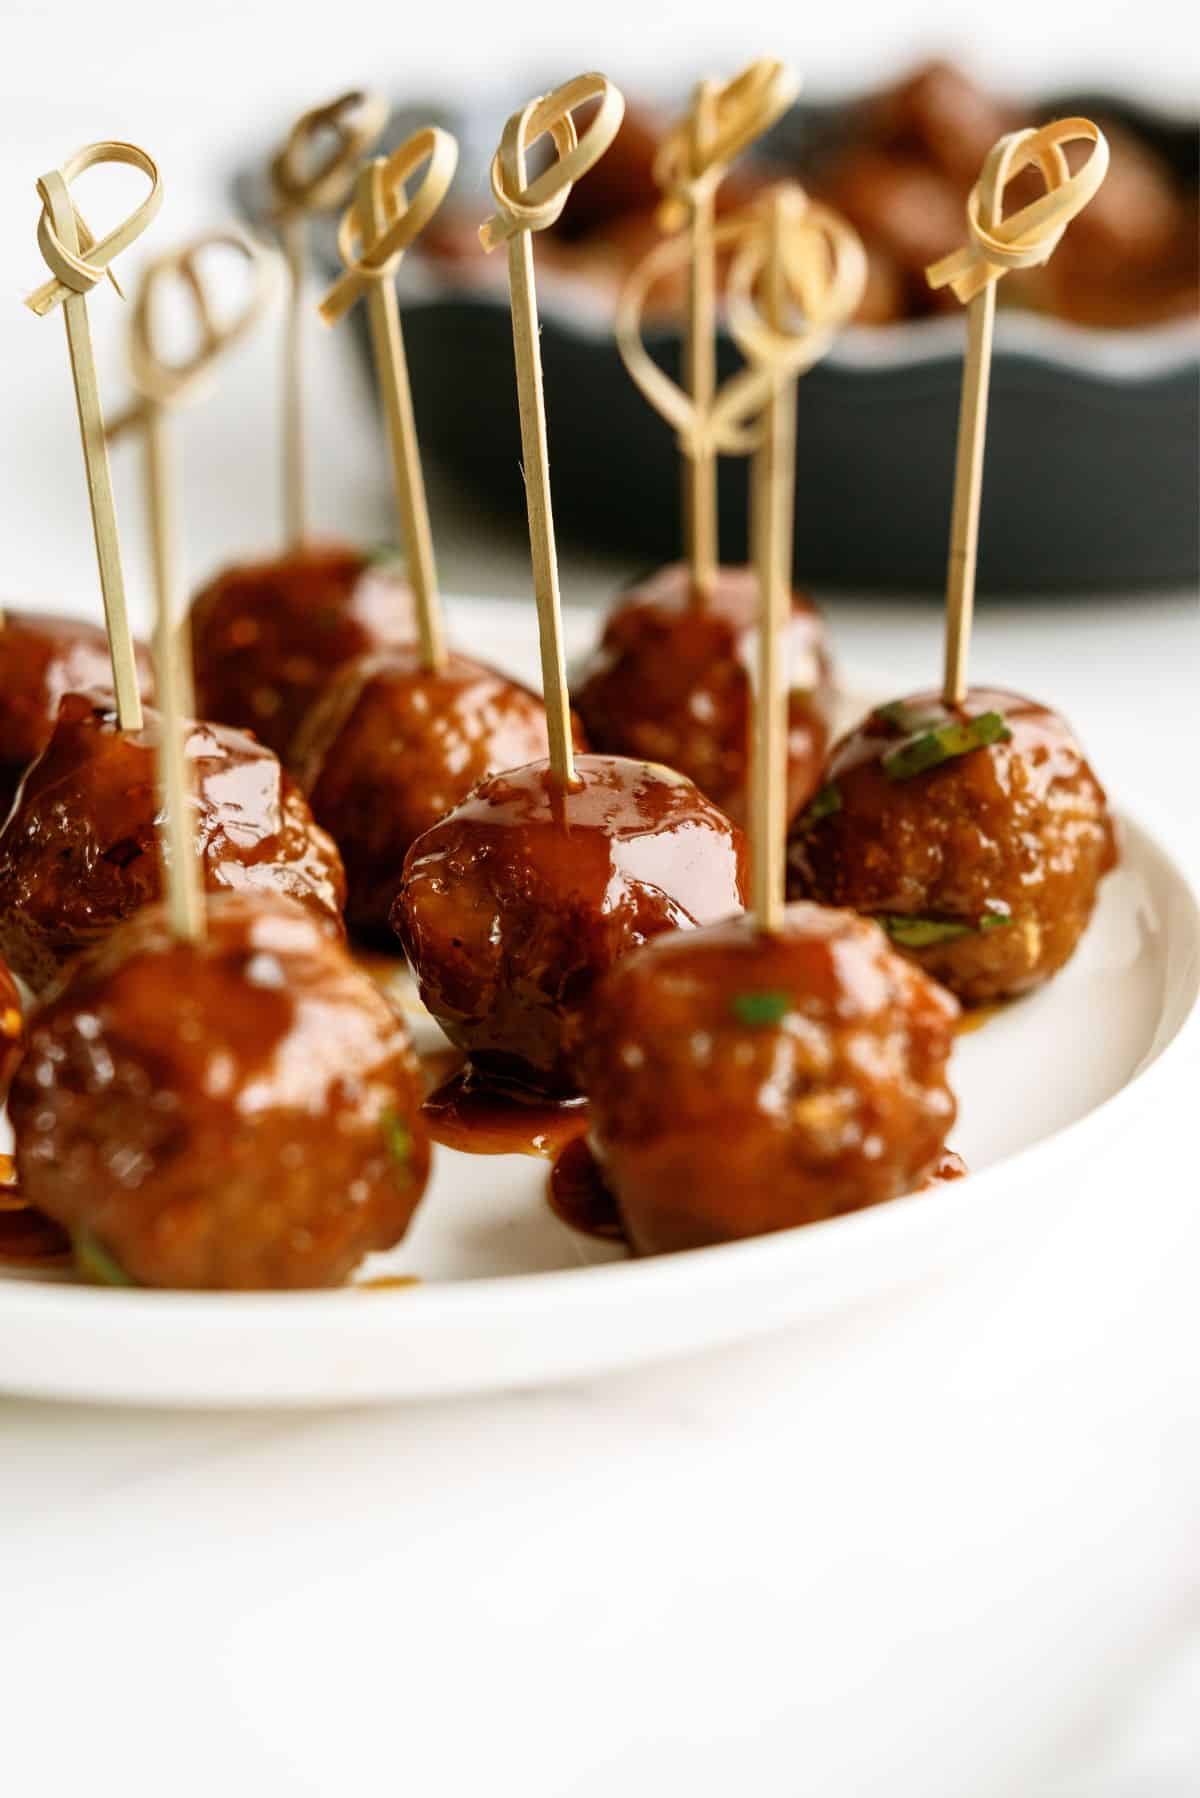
{"points": [[578, 1195], [483, 1117]]}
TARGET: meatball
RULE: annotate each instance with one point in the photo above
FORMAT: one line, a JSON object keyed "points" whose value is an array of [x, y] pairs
{"points": [[976, 834], [266, 636], [239, 1112], [938, 113], [741, 1083], [390, 747], [671, 682], [513, 906], [41, 658], [12, 1029], [80, 850]]}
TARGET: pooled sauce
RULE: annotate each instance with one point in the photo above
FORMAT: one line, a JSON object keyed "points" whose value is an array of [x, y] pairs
{"points": [[27, 1238], [974, 1017], [386, 1283], [948, 1166], [578, 1195], [485, 1118], [438, 1066]]}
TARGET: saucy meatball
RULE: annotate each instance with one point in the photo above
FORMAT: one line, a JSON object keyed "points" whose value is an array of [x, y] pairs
{"points": [[80, 850], [513, 906], [12, 1029], [392, 746], [741, 1083], [671, 682], [239, 1112], [267, 636], [976, 834], [41, 658]]}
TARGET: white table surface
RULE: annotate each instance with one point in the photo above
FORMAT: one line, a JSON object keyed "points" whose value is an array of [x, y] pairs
{"points": [[953, 1552]]}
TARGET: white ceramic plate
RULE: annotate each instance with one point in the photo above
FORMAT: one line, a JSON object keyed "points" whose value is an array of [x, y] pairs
{"points": [[509, 1296]]}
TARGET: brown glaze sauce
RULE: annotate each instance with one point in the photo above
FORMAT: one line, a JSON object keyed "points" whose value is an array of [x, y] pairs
{"points": [[976, 1016], [27, 1238], [578, 1195], [386, 1283], [482, 1117]]}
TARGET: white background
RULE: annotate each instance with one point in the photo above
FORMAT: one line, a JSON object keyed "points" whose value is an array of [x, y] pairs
{"points": [[947, 1549]]}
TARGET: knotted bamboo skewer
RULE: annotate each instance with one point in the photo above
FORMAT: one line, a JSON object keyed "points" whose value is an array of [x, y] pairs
{"points": [[797, 279], [77, 261], [522, 207], [163, 384], [692, 161], [996, 245], [375, 231], [304, 181]]}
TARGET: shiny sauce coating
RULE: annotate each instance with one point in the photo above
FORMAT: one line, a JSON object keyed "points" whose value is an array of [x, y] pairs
{"points": [[513, 906]]}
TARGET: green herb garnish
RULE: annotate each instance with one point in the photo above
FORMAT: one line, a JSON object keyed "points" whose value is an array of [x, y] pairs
{"points": [[912, 932], [382, 553], [95, 1263], [822, 805], [397, 1139], [930, 748], [905, 718], [761, 1008]]}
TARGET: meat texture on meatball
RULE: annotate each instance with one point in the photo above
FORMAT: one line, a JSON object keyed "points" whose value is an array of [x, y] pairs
{"points": [[741, 1083], [976, 834], [267, 636], [12, 1030], [41, 658], [80, 851], [672, 681], [392, 746], [242, 1112], [513, 906]]}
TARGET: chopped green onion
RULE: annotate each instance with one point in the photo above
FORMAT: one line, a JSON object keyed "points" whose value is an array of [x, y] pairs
{"points": [[931, 748], [822, 805], [906, 718], [95, 1263], [397, 1139], [761, 1008], [384, 553], [913, 932]]}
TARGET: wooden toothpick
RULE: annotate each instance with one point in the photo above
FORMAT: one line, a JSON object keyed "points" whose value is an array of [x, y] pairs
{"points": [[796, 280], [162, 384], [312, 172], [690, 166], [995, 245], [522, 209], [373, 236], [77, 262]]}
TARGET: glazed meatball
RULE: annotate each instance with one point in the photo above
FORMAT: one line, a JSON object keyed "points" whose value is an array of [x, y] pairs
{"points": [[41, 658], [267, 636], [239, 1112], [80, 850], [513, 906], [741, 1083], [976, 834], [671, 682], [12, 1029], [391, 747]]}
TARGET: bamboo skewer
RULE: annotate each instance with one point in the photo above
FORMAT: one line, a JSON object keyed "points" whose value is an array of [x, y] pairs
{"points": [[523, 208], [77, 262], [797, 278], [995, 245], [690, 166], [372, 238], [303, 182], [162, 385]]}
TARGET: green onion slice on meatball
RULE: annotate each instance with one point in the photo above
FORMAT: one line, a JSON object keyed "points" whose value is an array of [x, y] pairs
{"points": [[929, 748], [912, 932]]}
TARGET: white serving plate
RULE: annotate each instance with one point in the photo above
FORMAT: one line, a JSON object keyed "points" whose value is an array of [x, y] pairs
{"points": [[509, 1296]]}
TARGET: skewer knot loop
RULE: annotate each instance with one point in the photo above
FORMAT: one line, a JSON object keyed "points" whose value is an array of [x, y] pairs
{"points": [[303, 180], [78, 271], [384, 218], [524, 205], [820, 266], [691, 162], [1029, 237]]}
